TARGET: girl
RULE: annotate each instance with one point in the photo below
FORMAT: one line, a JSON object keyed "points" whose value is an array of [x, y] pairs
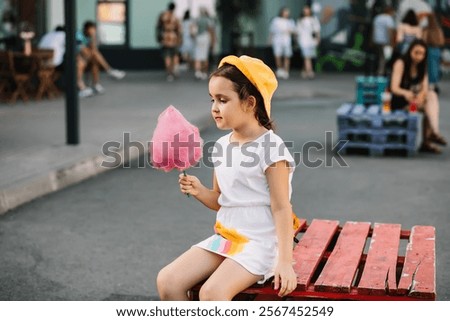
{"points": [[409, 85], [281, 31], [308, 32], [251, 192]]}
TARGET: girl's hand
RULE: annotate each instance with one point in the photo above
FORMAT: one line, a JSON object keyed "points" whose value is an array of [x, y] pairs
{"points": [[189, 184], [420, 99], [409, 96], [285, 279]]}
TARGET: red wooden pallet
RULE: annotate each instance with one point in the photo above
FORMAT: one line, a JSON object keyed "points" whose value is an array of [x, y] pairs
{"points": [[358, 262]]}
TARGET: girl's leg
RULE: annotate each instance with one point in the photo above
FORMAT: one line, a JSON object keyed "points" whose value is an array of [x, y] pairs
{"points": [[228, 279], [287, 64], [95, 70], [187, 270], [308, 66], [101, 60], [81, 66], [432, 111], [278, 63]]}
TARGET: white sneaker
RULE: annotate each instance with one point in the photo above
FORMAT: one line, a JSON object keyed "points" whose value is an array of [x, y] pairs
{"points": [[279, 73], [282, 74], [99, 89], [198, 75], [86, 92], [116, 74]]}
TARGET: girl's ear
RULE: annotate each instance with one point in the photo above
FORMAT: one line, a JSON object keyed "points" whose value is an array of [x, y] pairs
{"points": [[250, 103]]}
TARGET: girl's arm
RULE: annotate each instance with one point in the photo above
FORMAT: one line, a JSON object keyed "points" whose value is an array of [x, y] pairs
{"points": [[278, 179], [399, 35], [422, 95], [396, 78], [209, 197]]}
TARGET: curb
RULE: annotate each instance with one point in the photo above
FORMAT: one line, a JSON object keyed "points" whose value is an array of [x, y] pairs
{"points": [[58, 179]]}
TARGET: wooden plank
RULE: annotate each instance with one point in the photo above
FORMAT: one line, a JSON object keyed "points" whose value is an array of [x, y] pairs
{"points": [[418, 278], [269, 293], [379, 275], [339, 271], [310, 250]]}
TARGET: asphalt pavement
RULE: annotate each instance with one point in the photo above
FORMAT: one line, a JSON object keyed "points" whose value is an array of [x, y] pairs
{"points": [[105, 238]]}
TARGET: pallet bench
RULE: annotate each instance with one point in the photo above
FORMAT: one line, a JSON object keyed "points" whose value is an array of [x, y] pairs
{"points": [[369, 129], [358, 262]]}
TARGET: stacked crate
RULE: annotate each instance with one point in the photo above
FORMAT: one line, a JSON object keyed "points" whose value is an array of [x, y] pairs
{"points": [[368, 129], [369, 90]]}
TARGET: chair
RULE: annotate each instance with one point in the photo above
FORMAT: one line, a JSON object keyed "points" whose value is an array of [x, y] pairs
{"points": [[13, 84], [46, 74]]}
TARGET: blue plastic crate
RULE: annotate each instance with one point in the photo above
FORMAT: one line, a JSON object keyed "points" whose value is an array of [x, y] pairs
{"points": [[379, 136], [370, 89], [377, 149], [359, 116]]}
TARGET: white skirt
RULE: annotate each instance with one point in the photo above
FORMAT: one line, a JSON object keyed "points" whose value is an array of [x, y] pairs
{"points": [[246, 235]]}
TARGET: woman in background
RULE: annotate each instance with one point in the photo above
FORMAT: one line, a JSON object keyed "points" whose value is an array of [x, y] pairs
{"points": [[409, 86], [434, 38]]}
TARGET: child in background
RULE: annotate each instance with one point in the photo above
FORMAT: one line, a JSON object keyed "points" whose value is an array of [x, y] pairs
{"points": [[251, 194]]}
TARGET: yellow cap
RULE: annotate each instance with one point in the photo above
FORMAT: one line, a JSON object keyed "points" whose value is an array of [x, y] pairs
{"points": [[259, 74]]}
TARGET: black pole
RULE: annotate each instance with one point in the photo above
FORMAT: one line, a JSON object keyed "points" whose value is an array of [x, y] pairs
{"points": [[72, 104]]}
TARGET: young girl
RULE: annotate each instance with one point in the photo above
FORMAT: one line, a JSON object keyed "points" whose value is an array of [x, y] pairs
{"points": [[409, 85], [251, 192], [308, 33]]}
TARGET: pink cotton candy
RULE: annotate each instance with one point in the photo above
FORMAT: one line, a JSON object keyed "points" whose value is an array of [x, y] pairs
{"points": [[176, 143]]}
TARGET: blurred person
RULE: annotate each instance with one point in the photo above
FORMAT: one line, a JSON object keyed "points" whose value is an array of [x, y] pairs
{"points": [[407, 31], [308, 37], [8, 30], [90, 57], [409, 85], [281, 30], [187, 47], [434, 38], [204, 35], [56, 41], [169, 37], [420, 7], [383, 37]]}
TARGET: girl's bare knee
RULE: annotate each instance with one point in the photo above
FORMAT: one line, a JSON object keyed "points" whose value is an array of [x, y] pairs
{"points": [[213, 293], [165, 284]]}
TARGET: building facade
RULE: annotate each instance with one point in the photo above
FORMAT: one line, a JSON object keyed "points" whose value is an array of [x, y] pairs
{"points": [[127, 27]]}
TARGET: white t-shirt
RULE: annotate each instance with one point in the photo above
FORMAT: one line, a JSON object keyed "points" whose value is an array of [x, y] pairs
{"points": [[381, 25], [306, 26], [240, 170], [55, 40], [281, 29]]}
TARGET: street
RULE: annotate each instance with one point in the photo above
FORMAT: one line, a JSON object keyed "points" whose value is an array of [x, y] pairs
{"points": [[106, 238]]}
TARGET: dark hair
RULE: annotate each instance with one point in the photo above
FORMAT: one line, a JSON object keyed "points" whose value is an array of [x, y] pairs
{"points": [[187, 15], [245, 89], [171, 6], [410, 18], [60, 28], [280, 13], [421, 67], [302, 14], [87, 25], [388, 9]]}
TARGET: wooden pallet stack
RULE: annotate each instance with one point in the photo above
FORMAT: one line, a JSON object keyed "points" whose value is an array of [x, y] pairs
{"points": [[364, 127]]}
